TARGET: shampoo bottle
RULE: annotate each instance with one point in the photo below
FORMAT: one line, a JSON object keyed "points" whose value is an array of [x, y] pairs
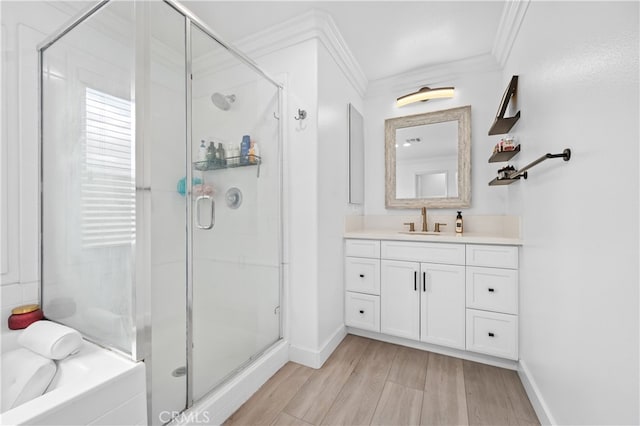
{"points": [[459, 223], [221, 155], [211, 154], [252, 153], [244, 149], [256, 152]]}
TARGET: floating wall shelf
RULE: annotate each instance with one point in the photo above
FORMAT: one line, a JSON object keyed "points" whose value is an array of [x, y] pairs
{"points": [[497, 157], [504, 181]]}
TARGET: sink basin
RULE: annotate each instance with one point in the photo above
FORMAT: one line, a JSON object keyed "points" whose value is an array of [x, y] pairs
{"points": [[420, 233]]}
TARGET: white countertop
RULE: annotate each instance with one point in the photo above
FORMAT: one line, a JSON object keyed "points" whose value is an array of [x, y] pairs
{"points": [[443, 237]]}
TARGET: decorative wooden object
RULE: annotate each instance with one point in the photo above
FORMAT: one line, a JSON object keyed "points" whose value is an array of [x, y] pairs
{"points": [[503, 124]]}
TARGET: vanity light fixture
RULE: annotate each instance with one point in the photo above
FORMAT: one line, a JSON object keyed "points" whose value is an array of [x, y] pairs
{"points": [[424, 94]]}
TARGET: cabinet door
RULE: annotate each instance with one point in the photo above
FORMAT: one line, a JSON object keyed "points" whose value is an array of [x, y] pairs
{"points": [[442, 305], [400, 299]]}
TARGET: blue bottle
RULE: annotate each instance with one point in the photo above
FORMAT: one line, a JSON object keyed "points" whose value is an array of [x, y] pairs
{"points": [[244, 149]]}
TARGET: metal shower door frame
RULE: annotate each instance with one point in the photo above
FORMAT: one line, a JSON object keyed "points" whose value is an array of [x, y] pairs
{"points": [[141, 288]]}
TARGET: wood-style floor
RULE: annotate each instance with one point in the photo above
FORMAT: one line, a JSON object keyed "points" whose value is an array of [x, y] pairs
{"points": [[367, 382]]}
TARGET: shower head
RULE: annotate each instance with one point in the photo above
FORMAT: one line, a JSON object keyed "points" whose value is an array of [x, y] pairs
{"points": [[223, 102]]}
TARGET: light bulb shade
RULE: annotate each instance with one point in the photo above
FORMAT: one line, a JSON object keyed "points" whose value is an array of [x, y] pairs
{"points": [[425, 94]]}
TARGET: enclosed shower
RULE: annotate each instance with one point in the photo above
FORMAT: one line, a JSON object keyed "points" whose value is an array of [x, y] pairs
{"points": [[160, 221]]}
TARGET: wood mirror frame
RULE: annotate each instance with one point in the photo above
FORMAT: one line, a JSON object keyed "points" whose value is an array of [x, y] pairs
{"points": [[463, 199]]}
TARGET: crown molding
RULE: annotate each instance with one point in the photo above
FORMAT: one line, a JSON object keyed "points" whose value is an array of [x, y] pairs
{"points": [[314, 24], [510, 22], [432, 75], [111, 24]]}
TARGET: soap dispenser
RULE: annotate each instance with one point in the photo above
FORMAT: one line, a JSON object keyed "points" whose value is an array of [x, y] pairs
{"points": [[459, 223]]}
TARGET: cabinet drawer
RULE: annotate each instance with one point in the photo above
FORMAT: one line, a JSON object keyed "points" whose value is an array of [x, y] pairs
{"points": [[362, 311], [362, 275], [492, 256], [492, 289], [493, 334], [362, 248], [452, 254]]}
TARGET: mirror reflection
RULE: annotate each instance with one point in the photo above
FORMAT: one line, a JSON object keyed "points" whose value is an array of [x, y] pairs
{"points": [[427, 161]]}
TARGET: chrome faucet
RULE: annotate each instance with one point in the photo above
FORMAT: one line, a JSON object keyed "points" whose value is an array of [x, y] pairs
{"points": [[424, 219]]}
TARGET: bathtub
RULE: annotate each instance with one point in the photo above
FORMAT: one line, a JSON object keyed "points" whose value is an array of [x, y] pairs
{"points": [[95, 386]]}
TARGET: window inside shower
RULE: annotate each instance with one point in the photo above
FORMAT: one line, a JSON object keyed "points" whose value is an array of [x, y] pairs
{"points": [[108, 176]]}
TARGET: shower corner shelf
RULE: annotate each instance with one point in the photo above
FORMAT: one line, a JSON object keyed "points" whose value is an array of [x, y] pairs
{"points": [[497, 157], [204, 166]]}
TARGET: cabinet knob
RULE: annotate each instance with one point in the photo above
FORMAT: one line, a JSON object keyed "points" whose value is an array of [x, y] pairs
{"points": [[361, 311], [491, 334], [490, 290], [362, 276]]}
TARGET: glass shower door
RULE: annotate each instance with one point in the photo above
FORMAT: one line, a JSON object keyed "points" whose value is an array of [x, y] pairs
{"points": [[235, 213]]}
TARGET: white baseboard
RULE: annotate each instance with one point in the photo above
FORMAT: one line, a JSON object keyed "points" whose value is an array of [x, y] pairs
{"points": [[533, 392], [215, 408], [457, 353], [315, 359]]}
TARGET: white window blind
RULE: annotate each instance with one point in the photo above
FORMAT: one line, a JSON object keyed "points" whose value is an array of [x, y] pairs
{"points": [[108, 177]]}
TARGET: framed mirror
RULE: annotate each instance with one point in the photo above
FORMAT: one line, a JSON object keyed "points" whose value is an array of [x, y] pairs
{"points": [[428, 159], [356, 156]]}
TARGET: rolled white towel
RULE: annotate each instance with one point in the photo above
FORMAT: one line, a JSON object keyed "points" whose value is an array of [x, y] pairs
{"points": [[51, 340]]}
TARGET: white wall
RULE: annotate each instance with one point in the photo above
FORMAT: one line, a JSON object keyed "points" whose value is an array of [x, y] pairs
{"points": [[315, 184], [480, 89], [334, 95], [578, 88], [298, 66]]}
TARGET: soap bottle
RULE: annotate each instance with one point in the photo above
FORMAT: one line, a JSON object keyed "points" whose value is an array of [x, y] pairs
{"points": [[459, 223], [202, 152], [252, 152], [244, 149], [236, 151], [255, 153], [229, 153], [220, 155], [211, 154]]}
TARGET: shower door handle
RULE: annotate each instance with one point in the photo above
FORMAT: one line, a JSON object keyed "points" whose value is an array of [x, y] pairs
{"points": [[211, 217]]}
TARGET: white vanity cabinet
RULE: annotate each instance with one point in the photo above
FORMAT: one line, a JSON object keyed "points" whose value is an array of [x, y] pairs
{"points": [[362, 284], [423, 300], [458, 295], [492, 300]]}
